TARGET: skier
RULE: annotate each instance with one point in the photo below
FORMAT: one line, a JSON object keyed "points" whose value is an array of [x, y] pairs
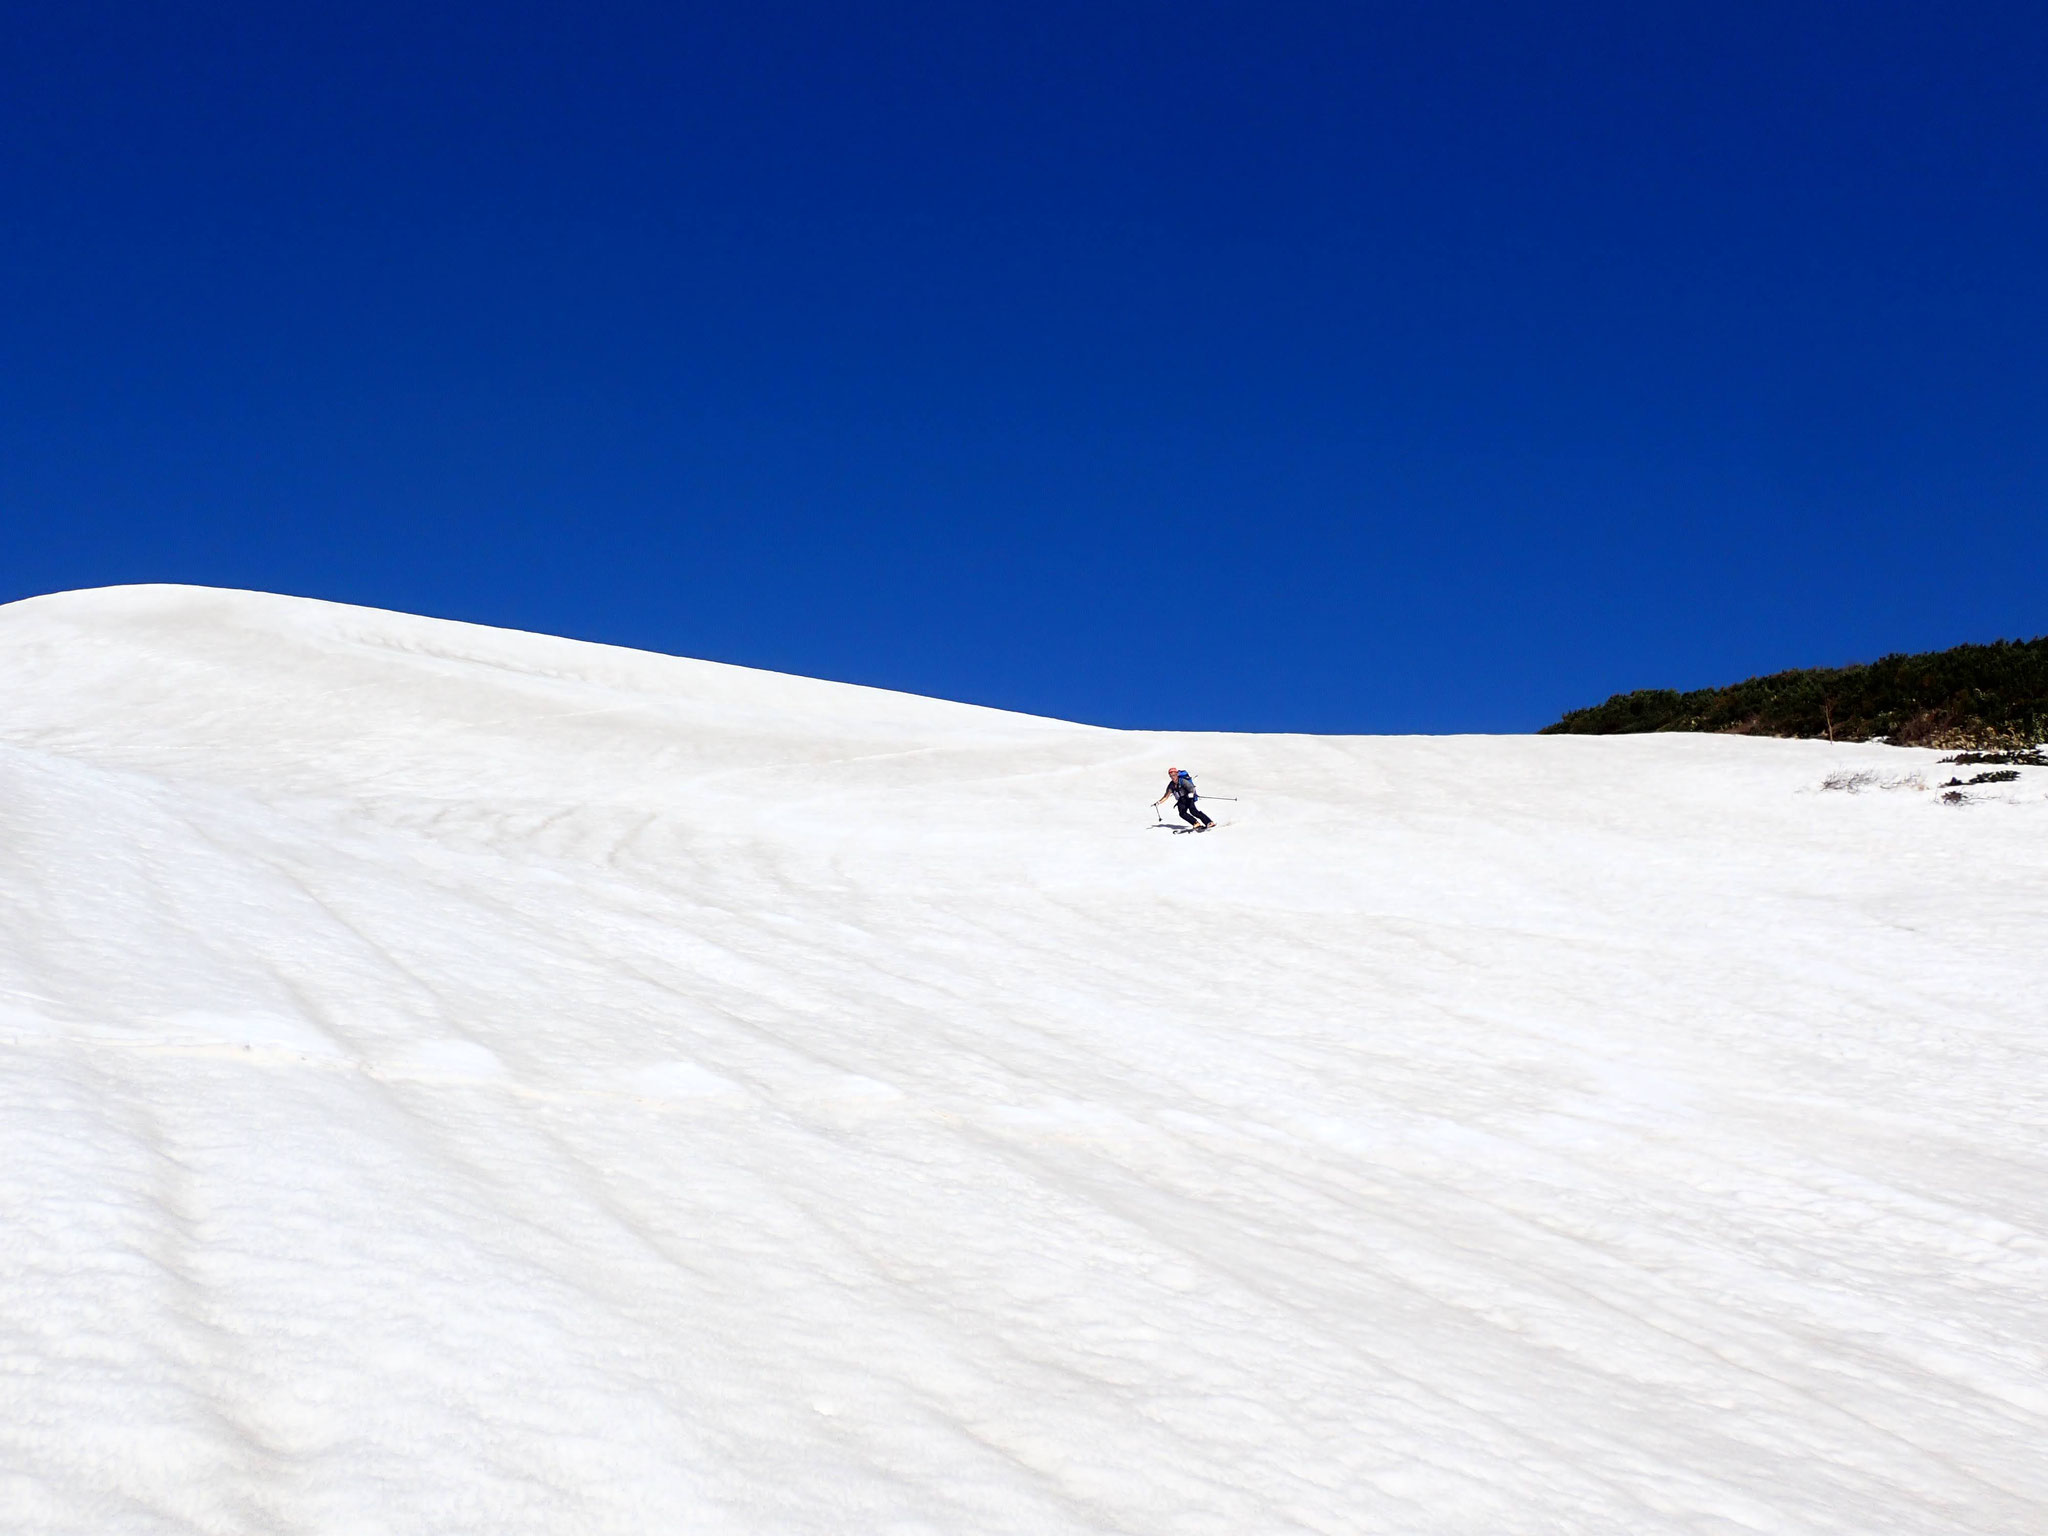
{"points": [[1181, 785]]}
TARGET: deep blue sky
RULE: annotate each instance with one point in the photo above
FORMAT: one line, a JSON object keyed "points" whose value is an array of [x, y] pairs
{"points": [[1320, 367]]}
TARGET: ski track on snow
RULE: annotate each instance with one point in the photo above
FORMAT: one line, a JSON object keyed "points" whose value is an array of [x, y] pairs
{"points": [[455, 1080]]}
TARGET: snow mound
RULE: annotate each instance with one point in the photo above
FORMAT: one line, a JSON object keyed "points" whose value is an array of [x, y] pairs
{"points": [[466, 1081]]}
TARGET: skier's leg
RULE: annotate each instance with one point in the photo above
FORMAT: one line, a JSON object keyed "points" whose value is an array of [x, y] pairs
{"points": [[1203, 814], [1188, 813]]}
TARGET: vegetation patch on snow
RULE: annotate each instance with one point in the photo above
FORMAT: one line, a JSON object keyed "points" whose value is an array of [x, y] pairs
{"points": [[1968, 696]]}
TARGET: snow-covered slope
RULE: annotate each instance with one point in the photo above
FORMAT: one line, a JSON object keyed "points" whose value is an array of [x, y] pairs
{"points": [[453, 1080]]}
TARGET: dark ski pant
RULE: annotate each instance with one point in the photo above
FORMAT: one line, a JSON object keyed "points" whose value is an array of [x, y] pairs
{"points": [[1192, 816]]}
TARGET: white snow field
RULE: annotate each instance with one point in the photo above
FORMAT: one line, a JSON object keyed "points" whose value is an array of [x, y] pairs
{"points": [[465, 1081]]}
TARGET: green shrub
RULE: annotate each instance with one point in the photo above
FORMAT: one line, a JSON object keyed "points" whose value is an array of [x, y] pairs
{"points": [[1970, 696]]}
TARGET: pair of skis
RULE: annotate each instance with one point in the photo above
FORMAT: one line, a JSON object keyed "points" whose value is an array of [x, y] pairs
{"points": [[1205, 827]]}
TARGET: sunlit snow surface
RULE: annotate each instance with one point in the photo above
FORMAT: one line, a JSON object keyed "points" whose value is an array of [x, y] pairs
{"points": [[462, 1081]]}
